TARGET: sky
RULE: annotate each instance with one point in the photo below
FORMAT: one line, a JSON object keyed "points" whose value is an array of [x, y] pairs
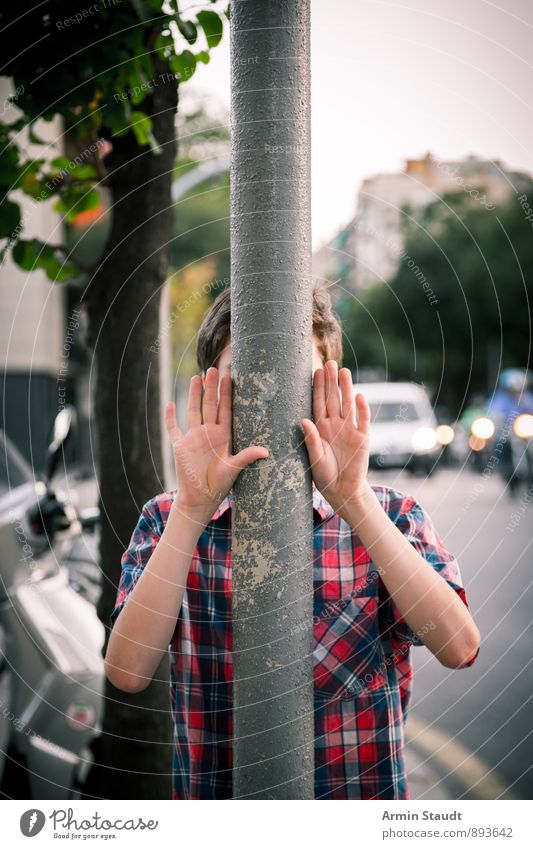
{"points": [[392, 80]]}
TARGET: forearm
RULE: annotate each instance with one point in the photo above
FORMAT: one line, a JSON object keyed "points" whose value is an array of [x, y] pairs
{"points": [[144, 627], [426, 601]]}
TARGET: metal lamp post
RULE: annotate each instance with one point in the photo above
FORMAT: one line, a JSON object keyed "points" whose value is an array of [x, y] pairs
{"points": [[271, 330]]}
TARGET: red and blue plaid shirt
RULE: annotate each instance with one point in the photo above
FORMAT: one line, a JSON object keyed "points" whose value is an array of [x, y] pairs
{"points": [[362, 666]]}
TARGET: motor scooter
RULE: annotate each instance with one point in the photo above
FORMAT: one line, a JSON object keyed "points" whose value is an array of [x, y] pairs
{"points": [[505, 443], [51, 665]]}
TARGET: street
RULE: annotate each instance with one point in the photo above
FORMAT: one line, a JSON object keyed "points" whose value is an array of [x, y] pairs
{"points": [[486, 709]]}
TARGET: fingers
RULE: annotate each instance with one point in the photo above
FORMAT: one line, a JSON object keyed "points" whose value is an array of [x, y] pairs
{"points": [[224, 403], [194, 413], [170, 421], [363, 413], [348, 398], [210, 401], [215, 406], [248, 455], [319, 395], [333, 405], [313, 442]]}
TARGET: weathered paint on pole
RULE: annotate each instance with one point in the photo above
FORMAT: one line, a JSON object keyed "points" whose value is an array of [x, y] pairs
{"points": [[271, 328]]}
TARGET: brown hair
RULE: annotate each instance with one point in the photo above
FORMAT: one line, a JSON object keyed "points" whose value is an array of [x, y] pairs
{"points": [[214, 332]]}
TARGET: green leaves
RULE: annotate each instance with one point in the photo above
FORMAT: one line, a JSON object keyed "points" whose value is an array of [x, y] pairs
{"points": [[184, 65], [75, 200], [141, 125], [164, 45], [142, 13], [212, 27], [188, 30], [478, 264], [31, 185], [33, 254], [82, 172], [100, 85], [60, 162], [9, 220], [60, 179], [9, 166]]}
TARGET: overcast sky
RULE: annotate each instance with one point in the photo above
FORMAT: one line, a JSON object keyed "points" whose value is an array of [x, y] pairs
{"points": [[392, 80]]}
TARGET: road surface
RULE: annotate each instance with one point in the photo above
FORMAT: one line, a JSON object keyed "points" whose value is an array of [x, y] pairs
{"points": [[474, 725]]}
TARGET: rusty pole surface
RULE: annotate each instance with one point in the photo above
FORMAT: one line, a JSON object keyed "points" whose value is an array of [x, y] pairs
{"points": [[271, 331]]}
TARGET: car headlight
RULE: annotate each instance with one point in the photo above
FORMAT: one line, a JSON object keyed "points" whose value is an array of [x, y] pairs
{"points": [[424, 439], [445, 434], [523, 426], [483, 428]]}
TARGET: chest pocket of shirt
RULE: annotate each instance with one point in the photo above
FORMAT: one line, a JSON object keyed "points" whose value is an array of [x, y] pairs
{"points": [[348, 655]]}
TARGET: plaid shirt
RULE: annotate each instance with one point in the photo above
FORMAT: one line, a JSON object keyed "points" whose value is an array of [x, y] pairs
{"points": [[362, 666]]}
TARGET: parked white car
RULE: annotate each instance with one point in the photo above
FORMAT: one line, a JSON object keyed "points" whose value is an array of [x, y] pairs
{"points": [[403, 426]]}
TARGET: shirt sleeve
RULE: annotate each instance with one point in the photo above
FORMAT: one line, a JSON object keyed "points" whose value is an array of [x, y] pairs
{"points": [[417, 526], [143, 542]]}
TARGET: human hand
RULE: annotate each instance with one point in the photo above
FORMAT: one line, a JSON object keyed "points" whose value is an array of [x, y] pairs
{"points": [[338, 447], [205, 467]]}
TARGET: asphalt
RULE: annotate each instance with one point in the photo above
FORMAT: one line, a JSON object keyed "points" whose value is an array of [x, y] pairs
{"points": [[472, 727], [424, 781]]}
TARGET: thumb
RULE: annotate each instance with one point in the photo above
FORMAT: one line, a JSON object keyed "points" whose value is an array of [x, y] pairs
{"points": [[313, 442], [248, 455]]}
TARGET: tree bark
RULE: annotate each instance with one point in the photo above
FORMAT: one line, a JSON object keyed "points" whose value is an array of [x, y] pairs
{"points": [[133, 755], [271, 333]]}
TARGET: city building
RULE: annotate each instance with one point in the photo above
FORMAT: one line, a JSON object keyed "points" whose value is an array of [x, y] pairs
{"points": [[369, 248]]}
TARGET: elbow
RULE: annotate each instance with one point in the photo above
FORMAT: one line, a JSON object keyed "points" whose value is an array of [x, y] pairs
{"points": [[460, 653], [124, 680]]}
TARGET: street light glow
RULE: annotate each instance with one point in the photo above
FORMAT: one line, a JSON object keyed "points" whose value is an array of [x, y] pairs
{"points": [[483, 428]]}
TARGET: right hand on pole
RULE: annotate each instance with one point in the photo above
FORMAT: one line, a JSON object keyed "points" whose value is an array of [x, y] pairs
{"points": [[205, 467]]}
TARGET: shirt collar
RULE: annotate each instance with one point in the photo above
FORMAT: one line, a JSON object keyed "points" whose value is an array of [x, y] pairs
{"points": [[320, 505]]}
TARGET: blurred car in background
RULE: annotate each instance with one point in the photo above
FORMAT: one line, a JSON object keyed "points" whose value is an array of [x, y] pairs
{"points": [[403, 427]]}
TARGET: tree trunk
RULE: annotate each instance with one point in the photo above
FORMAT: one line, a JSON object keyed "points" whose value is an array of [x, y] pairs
{"points": [[133, 755], [271, 332]]}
